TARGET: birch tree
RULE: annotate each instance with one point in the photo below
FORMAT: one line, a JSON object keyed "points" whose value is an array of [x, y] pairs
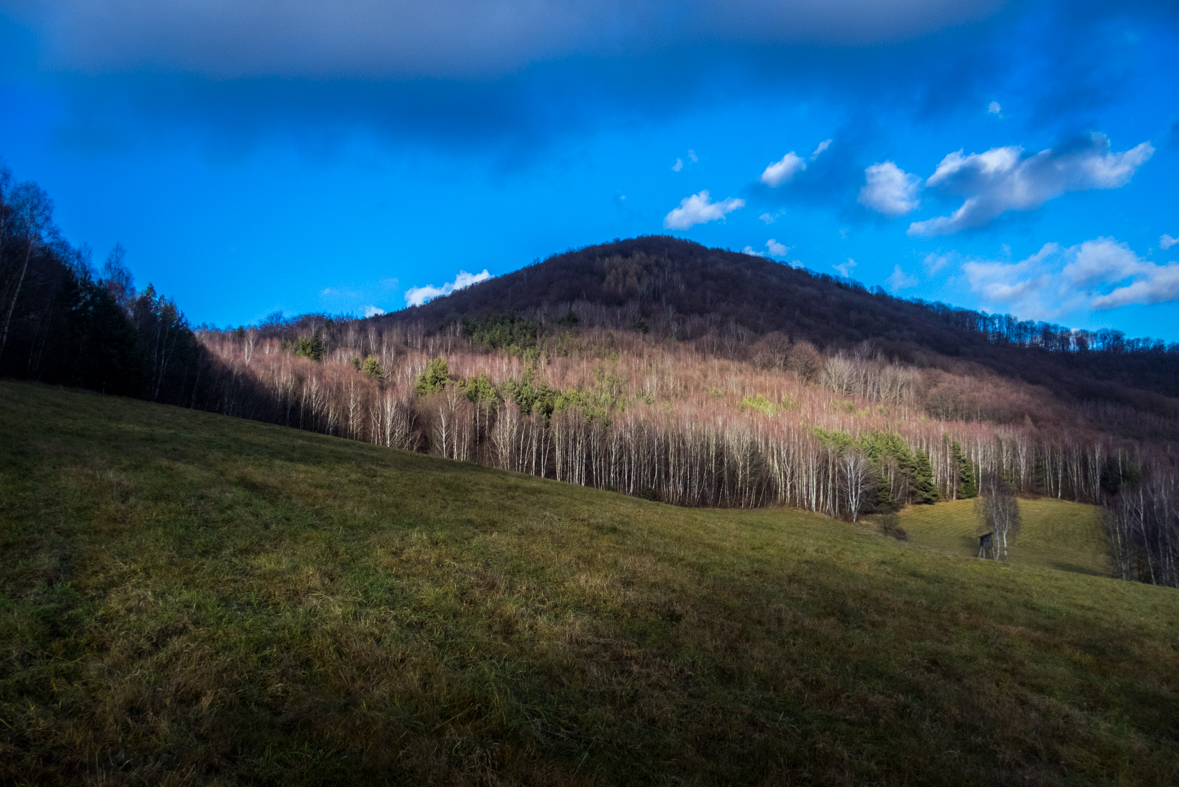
{"points": [[31, 216], [997, 510]]}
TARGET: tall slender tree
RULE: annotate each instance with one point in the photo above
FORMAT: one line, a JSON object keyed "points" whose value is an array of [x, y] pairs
{"points": [[32, 219], [997, 510]]}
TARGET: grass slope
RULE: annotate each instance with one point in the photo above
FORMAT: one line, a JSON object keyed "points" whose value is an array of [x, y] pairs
{"points": [[187, 598], [1055, 534]]}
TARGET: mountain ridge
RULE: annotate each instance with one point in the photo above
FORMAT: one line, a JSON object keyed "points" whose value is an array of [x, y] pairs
{"points": [[683, 289]]}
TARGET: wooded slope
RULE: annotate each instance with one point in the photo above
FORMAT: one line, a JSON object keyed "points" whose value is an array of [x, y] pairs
{"points": [[686, 290]]}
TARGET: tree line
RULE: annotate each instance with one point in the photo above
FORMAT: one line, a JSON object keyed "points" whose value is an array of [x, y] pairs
{"points": [[839, 433], [65, 321]]}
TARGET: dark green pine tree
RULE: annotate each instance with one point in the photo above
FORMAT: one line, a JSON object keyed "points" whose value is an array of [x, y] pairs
{"points": [[434, 378], [105, 353], [923, 490], [1039, 475], [967, 484], [881, 448], [310, 348], [481, 391], [372, 368]]}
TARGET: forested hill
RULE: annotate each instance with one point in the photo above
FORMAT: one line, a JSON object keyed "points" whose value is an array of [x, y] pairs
{"points": [[654, 367], [678, 285], [683, 289]]}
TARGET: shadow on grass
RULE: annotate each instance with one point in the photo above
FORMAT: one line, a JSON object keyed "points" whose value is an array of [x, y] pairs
{"points": [[1076, 569]]}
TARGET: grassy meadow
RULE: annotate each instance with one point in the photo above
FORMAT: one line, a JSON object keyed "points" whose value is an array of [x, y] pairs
{"points": [[192, 599], [1056, 534]]}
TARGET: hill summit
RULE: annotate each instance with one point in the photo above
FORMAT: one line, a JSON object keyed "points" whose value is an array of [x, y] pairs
{"points": [[686, 289], [682, 289]]}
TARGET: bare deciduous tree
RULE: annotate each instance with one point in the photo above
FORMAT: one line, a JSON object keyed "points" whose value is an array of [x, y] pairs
{"points": [[32, 214], [997, 510], [1142, 525], [855, 473]]}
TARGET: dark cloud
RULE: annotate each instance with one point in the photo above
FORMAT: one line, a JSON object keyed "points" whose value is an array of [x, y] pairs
{"points": [[521, 76], [382, 39]]}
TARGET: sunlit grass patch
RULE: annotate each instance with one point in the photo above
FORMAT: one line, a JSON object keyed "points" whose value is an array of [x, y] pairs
{"points": [[1056, 534]]}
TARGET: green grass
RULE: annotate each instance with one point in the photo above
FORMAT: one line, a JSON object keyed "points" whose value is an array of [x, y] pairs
{"points": [[192, 599], [1056, 534]]}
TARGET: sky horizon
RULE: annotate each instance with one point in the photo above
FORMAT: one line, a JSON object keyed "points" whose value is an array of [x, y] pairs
{"points": [[1011, 157]]}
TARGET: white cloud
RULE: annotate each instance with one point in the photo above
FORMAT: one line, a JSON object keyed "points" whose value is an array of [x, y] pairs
{"points": [[890, 190], [699, 209], [1018, 286], [845, 268], [993, 108], [352, 297], [935, 262], [1102, 261], [822, 146], [416, 296], [900, 280], [1091, 276], [1167, 242], [679, 162], [1106, 262], [1003, 179], [464, 279], [1158, 285], [770, 218], [783, 171], [773, 249]]}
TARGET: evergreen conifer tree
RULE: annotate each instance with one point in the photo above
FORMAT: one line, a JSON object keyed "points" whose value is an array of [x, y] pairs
{"points": [[434, 378], [924, 491], [310, 347], [967, 485], [372, 368]]}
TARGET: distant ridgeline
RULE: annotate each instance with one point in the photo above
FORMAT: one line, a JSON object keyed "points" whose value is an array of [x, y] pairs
{"points": [[682, 289], [654, 367]]}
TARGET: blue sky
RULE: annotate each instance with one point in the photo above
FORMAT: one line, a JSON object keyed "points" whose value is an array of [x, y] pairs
{"points": [[258, 155]]}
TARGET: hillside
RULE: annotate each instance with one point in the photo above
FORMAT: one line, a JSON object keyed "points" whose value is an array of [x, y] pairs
{"points": [[656, 367], [190, 598], [1056, 534], [683, 289], [695, 411]]}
